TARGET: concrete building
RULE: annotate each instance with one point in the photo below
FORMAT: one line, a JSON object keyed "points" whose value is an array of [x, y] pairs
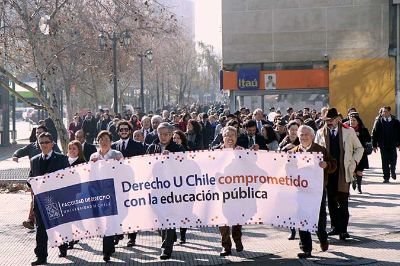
{"points": [[185, 12], [310, 52]]}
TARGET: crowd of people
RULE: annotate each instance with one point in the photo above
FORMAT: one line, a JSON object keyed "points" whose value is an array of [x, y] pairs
{"points": [[343, 139]]}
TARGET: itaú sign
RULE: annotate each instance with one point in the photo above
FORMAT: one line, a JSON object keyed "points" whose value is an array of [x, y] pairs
{"points": [[249, 79]]}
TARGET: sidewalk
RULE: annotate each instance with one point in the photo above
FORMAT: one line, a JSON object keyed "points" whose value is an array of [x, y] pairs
{"points": [[374, 227]]}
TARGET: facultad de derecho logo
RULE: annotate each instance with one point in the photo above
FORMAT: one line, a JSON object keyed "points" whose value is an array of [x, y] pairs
{"points": [[77, 202], [52, 208]]}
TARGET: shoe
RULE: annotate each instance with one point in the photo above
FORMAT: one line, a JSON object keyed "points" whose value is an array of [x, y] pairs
{"points": [[344, 236], [165, 256], [386, 181], [359, 191], [131, 243], [63, 254], [354, 184], [28, 224], [225, 252], [117, 239], [239, 247], [304, 255], [394, 176], [333, 232], [292, 235], [72, 243], [39, 262], [324, 246], [182, 241], [107, 257]]}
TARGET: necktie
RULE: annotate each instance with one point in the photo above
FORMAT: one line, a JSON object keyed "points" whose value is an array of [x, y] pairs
{"points": [[251, 141], [259, 126], [333, 131], [45, 157], [123, 145]]}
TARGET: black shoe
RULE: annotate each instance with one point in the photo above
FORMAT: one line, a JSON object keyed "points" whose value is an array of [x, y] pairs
{"points": [[333, 232], [225, 252], [63, 254], [292, 235], [165, 256], [386, 181], [107, 257], [28, 224], [344, 236], [72, 243], [354, 184], [117, 239], [131, 243], [183, 240], [239, 247], [359, 191], [394, 176], [39, 262], [304, 255]]}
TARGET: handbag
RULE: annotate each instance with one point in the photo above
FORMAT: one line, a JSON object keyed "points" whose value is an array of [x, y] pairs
{"points": [[368, 148]]}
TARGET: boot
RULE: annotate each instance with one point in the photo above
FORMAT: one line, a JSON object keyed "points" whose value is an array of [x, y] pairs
{"points": [[359, 179]]}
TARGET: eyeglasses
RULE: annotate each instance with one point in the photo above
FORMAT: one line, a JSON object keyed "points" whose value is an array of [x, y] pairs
{"points": [[44, 142], [124, 129]]}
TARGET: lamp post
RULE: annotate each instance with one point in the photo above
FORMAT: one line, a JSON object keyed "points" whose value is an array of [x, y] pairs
{"points": [[149, 55], [114, 37]]}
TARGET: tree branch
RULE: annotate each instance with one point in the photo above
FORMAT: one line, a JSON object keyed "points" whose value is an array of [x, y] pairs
{"points": [[19, 96]]}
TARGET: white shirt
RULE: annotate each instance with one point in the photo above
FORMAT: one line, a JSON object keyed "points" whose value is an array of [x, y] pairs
{"points": [[72, 160], [305, 148], [111, 154], [48, 155]]}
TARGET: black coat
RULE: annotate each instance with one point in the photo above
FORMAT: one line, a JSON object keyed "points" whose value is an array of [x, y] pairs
{"points": [[380, 139], [243, 141], [78, 161], [88, 149], [57, 161], [89, 127], [208, 134], [197, 144], [364, 137], [133, 148], [156, 147], [151, 137]]}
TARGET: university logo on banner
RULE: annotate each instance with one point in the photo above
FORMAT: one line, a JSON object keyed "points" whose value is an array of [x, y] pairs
{"points": [[80, 201], [249, 79]]}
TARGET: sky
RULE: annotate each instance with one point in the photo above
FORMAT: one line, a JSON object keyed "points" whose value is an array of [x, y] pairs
{"points": [[208, 23]]}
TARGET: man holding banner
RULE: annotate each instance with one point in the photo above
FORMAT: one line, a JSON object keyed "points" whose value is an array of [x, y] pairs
{"points": [[306, 136], [46, 162], [164, 145], [229, 135]]}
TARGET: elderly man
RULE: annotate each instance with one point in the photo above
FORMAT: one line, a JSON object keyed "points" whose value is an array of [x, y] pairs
{"points": [[152, 136], [306, 136], [229, 135], [343, 145], [164, 144]]}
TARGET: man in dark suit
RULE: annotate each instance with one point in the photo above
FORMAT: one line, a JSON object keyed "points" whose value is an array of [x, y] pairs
{"points": [[87, 148], [258, 116], [152, 136], [306, 136], [386, 136], [128, 147], [31, 150], [89, 127], [46, 162], [251, 139], [206, 131], [164, 145]]}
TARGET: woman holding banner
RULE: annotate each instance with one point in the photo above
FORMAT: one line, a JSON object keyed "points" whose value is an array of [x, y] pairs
{"points": [[106, 153], [75, 157]]}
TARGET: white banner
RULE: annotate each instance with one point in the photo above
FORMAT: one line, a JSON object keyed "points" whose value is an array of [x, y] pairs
{"points": [[192, 189]]}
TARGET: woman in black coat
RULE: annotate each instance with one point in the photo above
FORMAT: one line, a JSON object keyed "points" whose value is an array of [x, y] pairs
{"points": [[194, 136], [363, 135], [75, 157]]}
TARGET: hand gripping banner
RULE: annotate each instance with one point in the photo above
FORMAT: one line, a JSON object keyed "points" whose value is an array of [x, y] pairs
{"points": [[192, 189]]}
